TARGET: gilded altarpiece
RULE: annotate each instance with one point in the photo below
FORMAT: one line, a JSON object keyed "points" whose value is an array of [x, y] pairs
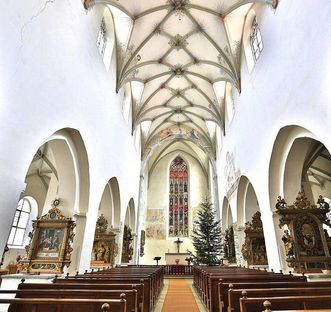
{"points": [[105, 248], [254, 250], [51, 244], [307, 244]]}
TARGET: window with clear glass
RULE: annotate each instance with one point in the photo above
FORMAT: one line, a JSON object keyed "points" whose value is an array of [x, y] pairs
{"points": [[102, 38], [256, 40], [22, 214], [178, 198]]}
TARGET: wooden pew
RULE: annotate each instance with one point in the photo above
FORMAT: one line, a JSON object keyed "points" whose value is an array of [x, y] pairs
{"points": [[234, 289], [148, 297], [286, 303], [89, 286], [234, 295], [130, 295], [218, 293], [65, 305]]}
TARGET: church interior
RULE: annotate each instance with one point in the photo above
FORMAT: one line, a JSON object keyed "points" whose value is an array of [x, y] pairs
{"points": [[122, 120]]}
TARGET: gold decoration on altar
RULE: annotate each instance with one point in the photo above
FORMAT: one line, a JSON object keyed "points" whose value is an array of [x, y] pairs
{"points": [[307, 244], [254, 250], [105, 248], [51, 244]]}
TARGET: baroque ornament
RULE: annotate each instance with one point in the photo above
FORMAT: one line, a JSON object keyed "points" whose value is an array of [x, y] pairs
{"points": [[307, 244]]}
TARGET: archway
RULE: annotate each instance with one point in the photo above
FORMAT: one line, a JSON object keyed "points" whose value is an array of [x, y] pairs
{"points": [[299, 162], [228, 229], [59, 170], [129, 234], [251, 239], [227, 219], [105, 245]]}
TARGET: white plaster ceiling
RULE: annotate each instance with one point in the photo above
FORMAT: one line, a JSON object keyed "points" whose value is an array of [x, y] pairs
{"points": [[178, 51]]}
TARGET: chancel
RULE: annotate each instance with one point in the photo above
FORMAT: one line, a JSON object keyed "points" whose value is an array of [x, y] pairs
{"points": [[176, 257], [151, 146]]}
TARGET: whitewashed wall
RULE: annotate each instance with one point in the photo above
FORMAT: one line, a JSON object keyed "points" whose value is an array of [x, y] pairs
{"points": [[52, 77], [290, 85]]}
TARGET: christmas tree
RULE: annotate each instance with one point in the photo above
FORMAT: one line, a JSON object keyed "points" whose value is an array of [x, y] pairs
{"points": [[207, 236]]}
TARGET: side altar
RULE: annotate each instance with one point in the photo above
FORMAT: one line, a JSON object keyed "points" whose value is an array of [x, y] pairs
{"points": [[105, 248]]}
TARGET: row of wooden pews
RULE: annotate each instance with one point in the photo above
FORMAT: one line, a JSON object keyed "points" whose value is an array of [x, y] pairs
{"points": [[121, 289], [235, 289]]}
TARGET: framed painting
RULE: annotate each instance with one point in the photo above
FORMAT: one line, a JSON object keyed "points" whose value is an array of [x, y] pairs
{"points": [[50, 247]]}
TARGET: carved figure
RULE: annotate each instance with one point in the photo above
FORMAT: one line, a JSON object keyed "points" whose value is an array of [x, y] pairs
{"points": [[254, 250], [104, 247], [288, 243], [307, 248], [229, 247], [100, 255], [127, 249]]}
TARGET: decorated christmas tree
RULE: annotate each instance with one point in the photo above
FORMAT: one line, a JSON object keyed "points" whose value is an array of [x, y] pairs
{"points": [[207, 236]]}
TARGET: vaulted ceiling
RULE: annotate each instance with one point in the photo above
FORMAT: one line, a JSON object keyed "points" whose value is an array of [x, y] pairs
{"points": [[180, 58]]}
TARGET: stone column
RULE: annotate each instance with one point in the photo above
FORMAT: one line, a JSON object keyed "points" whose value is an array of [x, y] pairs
{"points": [[239, 239], [80, 219], [136, 246], [216, 196], [118, 241]]}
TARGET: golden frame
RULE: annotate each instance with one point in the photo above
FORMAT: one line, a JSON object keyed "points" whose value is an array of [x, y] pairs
{"points": [[50, 247]]}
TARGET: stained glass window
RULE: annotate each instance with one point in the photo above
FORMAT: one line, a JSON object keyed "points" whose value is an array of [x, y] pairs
{"points": [[178, 198]]}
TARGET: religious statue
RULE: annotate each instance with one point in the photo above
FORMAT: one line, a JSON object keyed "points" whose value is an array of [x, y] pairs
{"points": [[100, 254], [306, 244], [229, 247], [288, 243], [142, 243], [105, 248], [254, 250], [127, 249]]}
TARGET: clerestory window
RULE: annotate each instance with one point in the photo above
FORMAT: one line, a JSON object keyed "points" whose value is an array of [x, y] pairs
{"points": [[18, 229], [256, 40], [102, 38]]}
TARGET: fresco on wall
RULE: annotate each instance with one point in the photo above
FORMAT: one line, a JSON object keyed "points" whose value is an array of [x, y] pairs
{"points": [[232, 175], [155, 224]]}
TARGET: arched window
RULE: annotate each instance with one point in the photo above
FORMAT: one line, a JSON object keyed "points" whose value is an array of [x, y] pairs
{"points": [[178, 198], [102, 38], [106, 39], [22, 214]]}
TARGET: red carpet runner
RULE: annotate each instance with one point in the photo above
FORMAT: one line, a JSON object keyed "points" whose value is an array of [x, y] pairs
{"points": [[179, 297]]}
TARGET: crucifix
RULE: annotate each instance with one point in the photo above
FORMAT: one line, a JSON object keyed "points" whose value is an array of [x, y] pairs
{"points": [[178, 242]]}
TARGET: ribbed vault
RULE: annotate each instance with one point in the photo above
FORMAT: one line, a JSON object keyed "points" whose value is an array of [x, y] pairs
{"points": [[178, 51]]}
